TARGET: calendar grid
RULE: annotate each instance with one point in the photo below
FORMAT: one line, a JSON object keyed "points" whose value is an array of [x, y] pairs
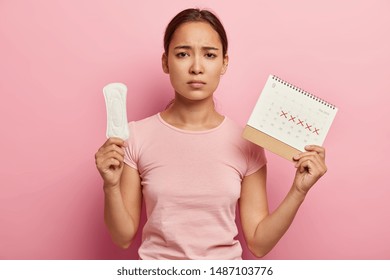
{"points": [[291, 114]]}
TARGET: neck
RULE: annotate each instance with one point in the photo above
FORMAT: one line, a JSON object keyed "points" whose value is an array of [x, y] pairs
{"points": [[193, 115]]}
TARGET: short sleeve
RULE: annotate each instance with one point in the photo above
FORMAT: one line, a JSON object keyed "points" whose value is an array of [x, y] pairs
{"points": [[131, 151], [255, 158]]}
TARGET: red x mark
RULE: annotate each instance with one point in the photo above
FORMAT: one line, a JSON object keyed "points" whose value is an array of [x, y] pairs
{"points": [[300, 122], [316, 131], [308, 126], [292, 118], [284, 114]]}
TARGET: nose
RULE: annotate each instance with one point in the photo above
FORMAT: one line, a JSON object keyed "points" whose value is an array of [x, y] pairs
{"points": [[196, 66]]}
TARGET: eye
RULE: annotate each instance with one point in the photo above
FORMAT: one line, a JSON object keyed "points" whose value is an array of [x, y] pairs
{"points": [[182, 54], [211, 55]]}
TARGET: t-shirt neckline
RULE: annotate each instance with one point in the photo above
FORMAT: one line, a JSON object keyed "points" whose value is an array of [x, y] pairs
{"points": [[191, 131]]}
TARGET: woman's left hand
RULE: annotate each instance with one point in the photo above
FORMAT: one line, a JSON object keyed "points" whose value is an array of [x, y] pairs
{"points": [[310, 167]]}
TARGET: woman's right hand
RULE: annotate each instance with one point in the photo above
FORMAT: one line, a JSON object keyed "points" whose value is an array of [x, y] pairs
{"points": [[109, 161]]}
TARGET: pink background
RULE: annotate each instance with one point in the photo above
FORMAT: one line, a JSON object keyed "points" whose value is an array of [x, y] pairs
{"points": [[55, 57]]}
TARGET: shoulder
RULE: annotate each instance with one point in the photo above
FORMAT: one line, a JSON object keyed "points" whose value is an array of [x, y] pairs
{"points": [[150, 120], [144, 124], [143, 129], [252, 154], [232, 126], [234, 131]]}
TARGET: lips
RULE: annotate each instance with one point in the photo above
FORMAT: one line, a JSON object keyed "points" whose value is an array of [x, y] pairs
{"points": [[196, 84]]}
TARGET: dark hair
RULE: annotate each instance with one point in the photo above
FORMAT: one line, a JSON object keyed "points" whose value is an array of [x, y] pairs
{"points": [[195, 15]]}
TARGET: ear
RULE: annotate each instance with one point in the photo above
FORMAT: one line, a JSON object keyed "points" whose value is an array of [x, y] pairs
{"points": [[225, 64], [164, 63]]}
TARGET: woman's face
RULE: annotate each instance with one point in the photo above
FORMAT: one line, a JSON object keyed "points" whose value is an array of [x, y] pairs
{"points": [[195, 61]]}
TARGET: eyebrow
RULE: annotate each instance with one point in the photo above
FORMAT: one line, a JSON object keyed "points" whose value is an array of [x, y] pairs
{"points": [[189, 47]]}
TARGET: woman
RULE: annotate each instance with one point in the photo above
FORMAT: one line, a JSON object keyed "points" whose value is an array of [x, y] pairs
{"points": [[192, 166]]}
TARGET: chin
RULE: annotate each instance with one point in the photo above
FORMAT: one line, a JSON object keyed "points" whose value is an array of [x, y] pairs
{"points": [[194, 96]]}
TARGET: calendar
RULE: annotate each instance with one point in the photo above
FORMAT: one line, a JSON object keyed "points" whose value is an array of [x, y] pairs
{"points": [[286, 118]]}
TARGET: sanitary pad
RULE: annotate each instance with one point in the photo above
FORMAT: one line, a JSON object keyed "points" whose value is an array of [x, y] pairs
{"points": [[115, 97]]}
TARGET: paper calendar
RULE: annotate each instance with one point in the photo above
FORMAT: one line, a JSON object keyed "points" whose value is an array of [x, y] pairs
{"points": [[286, 118]]}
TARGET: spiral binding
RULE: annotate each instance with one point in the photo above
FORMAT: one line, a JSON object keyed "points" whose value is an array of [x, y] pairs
{"points": [[308, 94]]}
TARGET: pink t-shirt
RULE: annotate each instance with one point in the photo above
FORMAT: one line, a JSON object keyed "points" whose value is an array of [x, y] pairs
{"points": [[191, 182]]}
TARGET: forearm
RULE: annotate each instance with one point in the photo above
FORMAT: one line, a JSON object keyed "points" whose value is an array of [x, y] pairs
{"points": [[119, 222], [271, 229]]}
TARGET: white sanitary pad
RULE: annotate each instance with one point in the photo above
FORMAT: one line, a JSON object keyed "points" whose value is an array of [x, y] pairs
{"points": [[115, 97]]}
